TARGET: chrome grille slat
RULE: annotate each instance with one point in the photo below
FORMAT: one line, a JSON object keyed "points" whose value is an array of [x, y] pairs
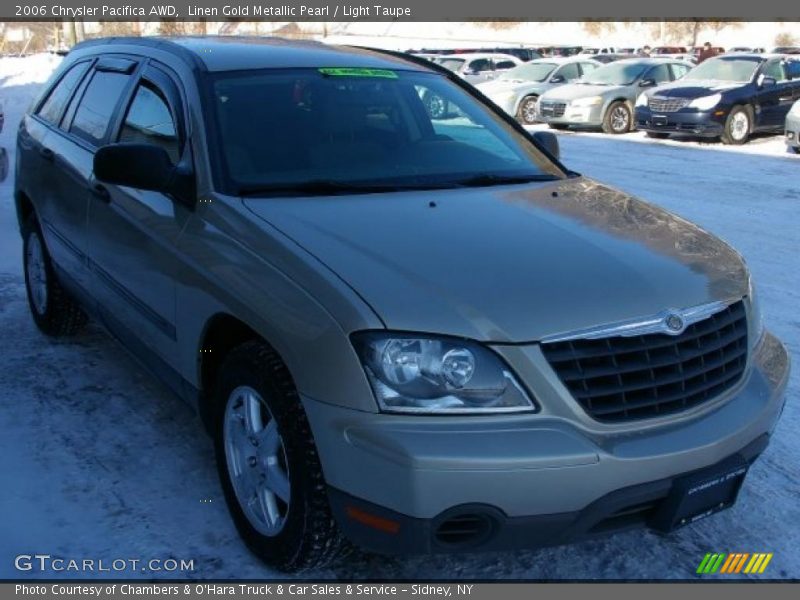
{"points": [[625, 378], [667, 105]]}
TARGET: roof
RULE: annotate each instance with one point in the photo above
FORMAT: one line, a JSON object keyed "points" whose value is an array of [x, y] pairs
{"points": [[473, 55], [231, 53]]}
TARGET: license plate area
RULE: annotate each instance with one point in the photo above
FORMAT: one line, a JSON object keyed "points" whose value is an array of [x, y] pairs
{"points": [[659, 120], [700, 495]]}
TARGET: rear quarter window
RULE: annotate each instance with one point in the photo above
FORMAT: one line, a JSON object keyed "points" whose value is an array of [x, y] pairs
{"points": [[53, 107]]}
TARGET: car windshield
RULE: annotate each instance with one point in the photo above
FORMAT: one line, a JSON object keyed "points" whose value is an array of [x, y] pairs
{"points": [[740, 70], [618, 73], [349, 130], [452, 64], [529, 72]]}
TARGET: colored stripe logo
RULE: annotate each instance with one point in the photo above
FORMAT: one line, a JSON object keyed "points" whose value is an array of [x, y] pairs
{"points": [[738, 562]]}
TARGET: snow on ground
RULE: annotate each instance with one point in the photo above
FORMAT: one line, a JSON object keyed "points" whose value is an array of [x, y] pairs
{"points": [[100, 461]]}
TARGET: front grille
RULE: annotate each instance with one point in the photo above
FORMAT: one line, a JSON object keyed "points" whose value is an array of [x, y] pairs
{"points": [[667, 105], [552, 109], [626, 378]]}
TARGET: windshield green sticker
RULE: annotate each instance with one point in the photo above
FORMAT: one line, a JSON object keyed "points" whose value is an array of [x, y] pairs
{"points": [[357, 72]]}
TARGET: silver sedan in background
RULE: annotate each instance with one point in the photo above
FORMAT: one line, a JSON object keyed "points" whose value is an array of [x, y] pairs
{"points": [[605, 98], [793, 128], [476, 67], [517, 90]]}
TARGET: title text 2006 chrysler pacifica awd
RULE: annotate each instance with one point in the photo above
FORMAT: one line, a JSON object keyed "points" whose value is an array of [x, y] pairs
{"points": [[413, 334]]}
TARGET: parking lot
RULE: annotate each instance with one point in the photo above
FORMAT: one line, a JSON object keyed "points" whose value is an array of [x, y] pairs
{"points": [[100, 461]]}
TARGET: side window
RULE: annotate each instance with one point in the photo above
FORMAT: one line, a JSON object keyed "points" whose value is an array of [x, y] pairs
{"points": [[480, 64], [569, 72], [774, 69], [679, 71], [587, 67], [149, 121], [659, 74], [505, 64], [97, 105], [52, 108], [792, 68]]}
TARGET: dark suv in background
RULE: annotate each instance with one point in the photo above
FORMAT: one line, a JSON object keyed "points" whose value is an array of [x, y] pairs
{"points": [[729, 97]]}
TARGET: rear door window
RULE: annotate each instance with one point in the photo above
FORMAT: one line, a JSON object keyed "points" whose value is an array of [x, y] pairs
{"points": [[570, 72], [679, 71], [97, 105], [52, 108], [659, 74]]}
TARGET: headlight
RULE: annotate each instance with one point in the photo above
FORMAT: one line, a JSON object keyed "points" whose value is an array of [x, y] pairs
{"points": [[642, 100], [502, 97], [590, 101], [417, 374], [706, 102]]}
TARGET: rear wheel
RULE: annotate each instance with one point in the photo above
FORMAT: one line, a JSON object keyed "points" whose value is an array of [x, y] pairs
{"points": [[268, 464], [737, 126], [54, 311], [526, 113], [617, 118]]}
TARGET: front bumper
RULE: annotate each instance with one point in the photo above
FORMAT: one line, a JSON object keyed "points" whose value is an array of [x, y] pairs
{"points": [[682, 122], [792, 133], [576, 116], [540, 478]]}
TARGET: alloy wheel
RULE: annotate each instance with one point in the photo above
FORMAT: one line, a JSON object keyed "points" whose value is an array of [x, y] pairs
{"points": [[256, 461], [37, 273]]}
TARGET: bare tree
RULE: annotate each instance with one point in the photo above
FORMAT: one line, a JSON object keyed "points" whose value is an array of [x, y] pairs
{"points": [[598, 28], [784, 38], [172, 27]]}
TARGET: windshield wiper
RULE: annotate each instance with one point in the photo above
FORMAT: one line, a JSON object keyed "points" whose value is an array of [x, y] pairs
{"points": [[487, 179], [329, 187], [321, 187]]}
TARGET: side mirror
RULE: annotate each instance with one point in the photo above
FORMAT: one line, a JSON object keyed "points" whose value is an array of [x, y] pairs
{"points": [[647, 83], [557, 79], [146, 167], [765, 81], [549, 142]]}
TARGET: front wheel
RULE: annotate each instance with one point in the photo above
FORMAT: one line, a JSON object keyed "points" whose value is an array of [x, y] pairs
{"points": [[526, 113], [268, 464], [435, 105], [737, 126], [54, 311], [617, 118]]}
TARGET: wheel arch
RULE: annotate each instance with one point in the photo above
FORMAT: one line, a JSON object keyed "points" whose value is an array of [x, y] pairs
{"points": [[221, 333], [25, 208]]}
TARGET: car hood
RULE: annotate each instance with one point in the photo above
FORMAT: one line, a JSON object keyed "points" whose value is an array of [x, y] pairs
{"points": [[511, 263], [507, 85], [693, 89], [573, 91]]}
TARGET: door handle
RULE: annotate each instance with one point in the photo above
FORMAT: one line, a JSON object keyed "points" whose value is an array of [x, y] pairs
{"points": [[47, 154], [101, 192]]}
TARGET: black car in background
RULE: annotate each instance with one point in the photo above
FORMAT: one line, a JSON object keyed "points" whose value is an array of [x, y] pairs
{"points": [[729, 97]]}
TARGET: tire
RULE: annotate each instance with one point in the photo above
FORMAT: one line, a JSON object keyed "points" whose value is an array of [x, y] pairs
{"points": [[55, 312], [294, 529], [656, 135], [738, 126], [794, 149], [435, 105], [618, 118], [558, 126], [526, 112]]}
